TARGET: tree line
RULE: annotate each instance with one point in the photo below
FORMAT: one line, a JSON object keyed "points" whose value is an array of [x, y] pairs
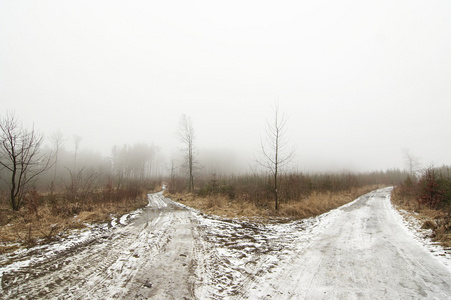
{"points": [[62, 168], [27, 164]]}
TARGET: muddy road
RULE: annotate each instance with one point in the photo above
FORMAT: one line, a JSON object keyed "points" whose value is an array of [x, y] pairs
{"points": [[153, 256], [167, 251]]}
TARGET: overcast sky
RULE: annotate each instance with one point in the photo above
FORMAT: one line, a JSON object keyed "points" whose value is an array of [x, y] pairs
{"points": [[358, 80]]}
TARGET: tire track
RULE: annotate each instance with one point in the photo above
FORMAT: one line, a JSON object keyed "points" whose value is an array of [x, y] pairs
{"points": [[101, 267], [358, 251]]}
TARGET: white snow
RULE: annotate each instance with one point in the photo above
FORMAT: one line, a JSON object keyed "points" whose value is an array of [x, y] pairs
{"points": [[412, 226], [156, 201], [359, 251]]}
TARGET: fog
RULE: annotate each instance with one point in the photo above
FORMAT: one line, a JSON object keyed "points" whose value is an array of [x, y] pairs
{"points": [[357, 80]]}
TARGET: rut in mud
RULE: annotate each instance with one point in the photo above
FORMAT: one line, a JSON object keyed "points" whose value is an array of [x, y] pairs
{"points": [[167, 252], [137, 260]]}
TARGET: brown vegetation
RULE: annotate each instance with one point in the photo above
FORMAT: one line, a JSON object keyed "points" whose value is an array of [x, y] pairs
{"points": [[312, 205], [83, 187], [300, 195], [430, 197], [48, 217]]}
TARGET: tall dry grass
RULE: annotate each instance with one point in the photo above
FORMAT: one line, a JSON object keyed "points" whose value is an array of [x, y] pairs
{"points": [[48, 217], [436, 219], [308, 206], [292, 187], [410, 194], [320, 202], [300, 195]]}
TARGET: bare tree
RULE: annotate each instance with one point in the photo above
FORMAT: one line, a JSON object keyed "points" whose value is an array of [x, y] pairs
{"points": [[20, 155], [412, 162], [186, 135], [77, 140], [57, 141], [172, 170], [275, 154], [134, 162]]}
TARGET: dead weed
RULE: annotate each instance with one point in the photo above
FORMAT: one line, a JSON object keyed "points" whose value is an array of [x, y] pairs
{"points": [[24, 229], [243, 207], [437, 220]]}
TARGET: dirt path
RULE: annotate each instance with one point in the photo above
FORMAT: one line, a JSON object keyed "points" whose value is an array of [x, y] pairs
{"points": [[359, 251], [154, 256]]}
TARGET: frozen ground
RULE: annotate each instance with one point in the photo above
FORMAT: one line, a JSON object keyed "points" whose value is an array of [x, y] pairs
{"points": [[363, 250]]}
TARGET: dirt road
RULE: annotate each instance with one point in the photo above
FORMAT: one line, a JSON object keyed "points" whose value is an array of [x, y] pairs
{"points": [[359, 251], [154, 256]]}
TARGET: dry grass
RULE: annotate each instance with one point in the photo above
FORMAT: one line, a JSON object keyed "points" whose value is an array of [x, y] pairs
{"points": [[25, 229], [318, 203], [218, 205], [313, 205], [437, 220]]}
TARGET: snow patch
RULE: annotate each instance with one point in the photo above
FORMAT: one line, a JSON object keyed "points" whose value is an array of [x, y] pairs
{"points": [[156, 201], [412, 225], [25, 258]]}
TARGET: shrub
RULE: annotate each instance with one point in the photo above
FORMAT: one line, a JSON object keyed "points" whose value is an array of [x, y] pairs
{"points": [[430, 193]]}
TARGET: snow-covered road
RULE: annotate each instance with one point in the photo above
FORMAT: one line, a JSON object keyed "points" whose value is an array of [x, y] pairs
{"points": [[167, 251], [360, 251], [152, 257]]}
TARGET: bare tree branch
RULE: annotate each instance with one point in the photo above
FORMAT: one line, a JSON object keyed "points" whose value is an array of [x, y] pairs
{"points": [[275, 154], [412, 162], [186, 135], [20, 155]]}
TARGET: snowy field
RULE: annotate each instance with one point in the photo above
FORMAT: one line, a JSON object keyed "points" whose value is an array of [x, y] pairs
{"points": [[362, 250]]}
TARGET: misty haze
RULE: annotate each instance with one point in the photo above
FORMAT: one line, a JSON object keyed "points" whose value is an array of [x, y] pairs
{"points": [[236, 150]]}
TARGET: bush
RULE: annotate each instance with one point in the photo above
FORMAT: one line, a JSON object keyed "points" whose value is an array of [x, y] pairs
{"points": [[213, 187], [431, 196], [430, 192], [293, 187]]}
